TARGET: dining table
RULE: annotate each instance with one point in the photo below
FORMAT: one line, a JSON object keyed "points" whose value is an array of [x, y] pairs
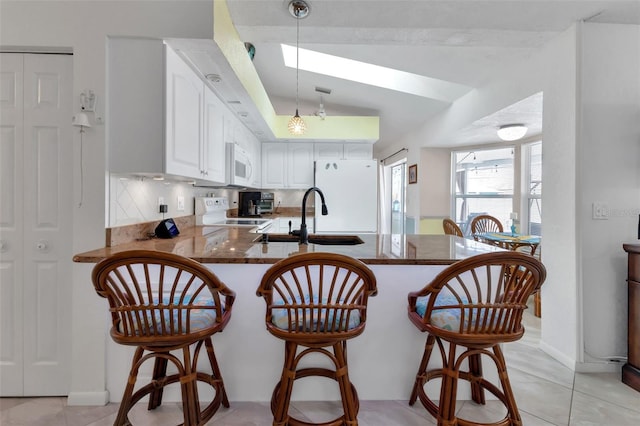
{"points": [[511, 240]]}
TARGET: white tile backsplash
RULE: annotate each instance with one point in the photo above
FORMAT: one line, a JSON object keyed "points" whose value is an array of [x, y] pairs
{"points": [[134, 199]]}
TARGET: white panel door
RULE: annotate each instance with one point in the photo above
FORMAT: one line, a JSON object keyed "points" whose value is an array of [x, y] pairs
{"points": [[37, 225], [11, 223]]}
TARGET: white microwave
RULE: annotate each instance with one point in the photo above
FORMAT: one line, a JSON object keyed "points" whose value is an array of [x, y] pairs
{"points": [[239, 167]]}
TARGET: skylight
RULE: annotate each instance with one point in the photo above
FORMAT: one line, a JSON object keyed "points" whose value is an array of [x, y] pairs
{"points": [[374, 75]]}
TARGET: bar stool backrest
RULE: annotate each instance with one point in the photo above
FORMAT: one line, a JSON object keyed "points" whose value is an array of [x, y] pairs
{"points": [[157, 298], [317, 296]]}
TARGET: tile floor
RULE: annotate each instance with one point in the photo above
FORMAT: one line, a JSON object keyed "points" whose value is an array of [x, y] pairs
{"points": [[547, 394]]}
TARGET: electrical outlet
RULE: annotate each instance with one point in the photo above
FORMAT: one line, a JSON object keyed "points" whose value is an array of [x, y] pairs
{"points": [[600, 211], [180, 206]]}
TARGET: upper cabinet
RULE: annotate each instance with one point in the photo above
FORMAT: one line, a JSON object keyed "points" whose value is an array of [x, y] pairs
{"points": [[163, 119], [287, 165], [343, 151], [214, 159]]}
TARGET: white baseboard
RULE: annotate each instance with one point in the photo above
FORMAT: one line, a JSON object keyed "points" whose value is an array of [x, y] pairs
{"points": [[599, 367], [558, 356], [88, 398]]}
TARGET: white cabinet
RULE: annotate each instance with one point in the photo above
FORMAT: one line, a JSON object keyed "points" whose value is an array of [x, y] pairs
{"points": [[287, 165], [161, 122], [255, 153], [358, 151], [184, 94], [235, 132], [214, 164], [326, 150], [343, 151], [299, 165], [274, 159]]}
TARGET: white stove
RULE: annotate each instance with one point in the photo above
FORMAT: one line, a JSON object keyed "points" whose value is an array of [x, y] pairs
{"points": [[213, 211]]}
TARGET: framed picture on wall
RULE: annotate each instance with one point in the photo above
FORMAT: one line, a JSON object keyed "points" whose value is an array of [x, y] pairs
{"points": [[413, 173]]}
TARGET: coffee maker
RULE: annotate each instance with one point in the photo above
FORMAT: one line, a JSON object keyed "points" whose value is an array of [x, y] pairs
{"points": [[248, 203]]}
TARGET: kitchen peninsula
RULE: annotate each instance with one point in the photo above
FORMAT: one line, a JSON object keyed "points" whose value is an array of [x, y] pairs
{"points": [[383, 359]]}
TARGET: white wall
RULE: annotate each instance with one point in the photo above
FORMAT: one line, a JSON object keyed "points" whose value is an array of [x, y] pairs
{"points": [[591, 153], [553, 71], [609, 172], [434, 178], [83, 27]]}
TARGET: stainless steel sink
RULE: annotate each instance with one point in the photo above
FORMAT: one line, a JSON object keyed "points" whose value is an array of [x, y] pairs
{"points": [[336, 240]]}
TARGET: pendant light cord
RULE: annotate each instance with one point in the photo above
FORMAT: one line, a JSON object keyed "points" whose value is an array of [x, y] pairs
{"points": [[297, 57]]}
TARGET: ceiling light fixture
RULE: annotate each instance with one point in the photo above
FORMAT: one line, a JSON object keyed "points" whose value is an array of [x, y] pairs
{"points": [[299, 10], [512, 132]]}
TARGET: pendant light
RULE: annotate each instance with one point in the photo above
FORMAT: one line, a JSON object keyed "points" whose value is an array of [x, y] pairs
{"points": [[299, 10]]}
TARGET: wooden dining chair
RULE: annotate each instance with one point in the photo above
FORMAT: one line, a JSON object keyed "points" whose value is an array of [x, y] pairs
{"points": [[451, 228], [469, 310], [316, 302], [161, 303], [485, 223]]}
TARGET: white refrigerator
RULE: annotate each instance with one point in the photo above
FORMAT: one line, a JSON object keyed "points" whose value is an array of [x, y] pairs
{"points": [[350, 189]]}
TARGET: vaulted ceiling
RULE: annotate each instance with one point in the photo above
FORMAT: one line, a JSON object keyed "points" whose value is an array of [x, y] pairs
{"points": [[462, 42]]}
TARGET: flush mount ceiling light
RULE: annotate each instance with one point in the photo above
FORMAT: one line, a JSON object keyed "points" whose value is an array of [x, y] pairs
{"points": [[299, 10], [512, 132]]}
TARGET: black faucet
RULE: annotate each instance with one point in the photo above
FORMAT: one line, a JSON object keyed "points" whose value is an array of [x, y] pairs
{"points": [[304, 236]]}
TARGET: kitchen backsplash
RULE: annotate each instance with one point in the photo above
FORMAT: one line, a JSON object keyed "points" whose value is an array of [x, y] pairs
{"points": [[135, 200]]}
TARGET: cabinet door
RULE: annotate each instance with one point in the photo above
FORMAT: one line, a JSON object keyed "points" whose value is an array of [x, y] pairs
{"points": [[300, 165], [324, 150], [184, 92], [358, 151], [255, 152], [273, 165], [213, 144]]}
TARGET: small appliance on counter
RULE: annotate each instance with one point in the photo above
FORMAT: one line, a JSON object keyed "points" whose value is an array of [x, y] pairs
{"points": [[254, 203]]}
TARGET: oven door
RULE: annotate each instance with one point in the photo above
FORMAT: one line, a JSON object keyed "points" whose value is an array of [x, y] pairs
{"points": [[239, 167]]}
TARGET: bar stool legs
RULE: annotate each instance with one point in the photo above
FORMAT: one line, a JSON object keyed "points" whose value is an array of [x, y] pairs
{"points": [[450, 373], [281, 398], [188, 378]]}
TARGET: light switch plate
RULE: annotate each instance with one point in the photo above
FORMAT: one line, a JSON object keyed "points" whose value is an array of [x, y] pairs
{"points": [[180, 203]]}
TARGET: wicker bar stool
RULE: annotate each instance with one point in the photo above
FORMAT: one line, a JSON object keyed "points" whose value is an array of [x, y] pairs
{"points": [[160, 303], [474, 305], [316, 302]]}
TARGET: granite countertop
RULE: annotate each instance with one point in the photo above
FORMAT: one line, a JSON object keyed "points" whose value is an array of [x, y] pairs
{"points": [[209, 244]]}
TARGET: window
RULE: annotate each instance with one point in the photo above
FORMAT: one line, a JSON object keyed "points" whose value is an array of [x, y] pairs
{"points": [[533, 195], [483, 182]]}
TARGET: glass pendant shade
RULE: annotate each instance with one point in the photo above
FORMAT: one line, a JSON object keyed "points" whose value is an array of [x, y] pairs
{"points": [[296, 125]]}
